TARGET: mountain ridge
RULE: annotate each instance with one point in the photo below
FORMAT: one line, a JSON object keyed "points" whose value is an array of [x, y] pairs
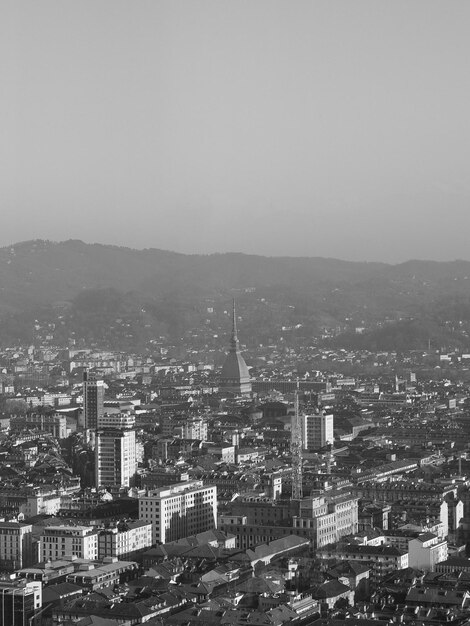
{"points": [[41, 278]]}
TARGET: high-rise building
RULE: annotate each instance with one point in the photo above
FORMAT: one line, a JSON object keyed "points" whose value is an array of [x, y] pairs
{"points": [[19, 601], [234, 376], [317, 431], [93, 399], [180, 510], [115, 460]]}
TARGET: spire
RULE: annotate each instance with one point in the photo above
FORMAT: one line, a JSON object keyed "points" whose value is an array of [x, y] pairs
{"points": [[235, 376], [234, 338]]}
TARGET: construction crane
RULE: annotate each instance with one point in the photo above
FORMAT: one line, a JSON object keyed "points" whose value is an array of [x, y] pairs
{"points": [[296, 449]]}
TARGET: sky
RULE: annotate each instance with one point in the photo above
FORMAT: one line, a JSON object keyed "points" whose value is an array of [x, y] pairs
{"points": [[334, 128]]}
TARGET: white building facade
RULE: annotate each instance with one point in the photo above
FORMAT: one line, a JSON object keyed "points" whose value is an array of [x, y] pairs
{"points": [[60, 541], [124, 542], [115, 459], [182, 510], [317, 431], [15, 545], [426, 551]]}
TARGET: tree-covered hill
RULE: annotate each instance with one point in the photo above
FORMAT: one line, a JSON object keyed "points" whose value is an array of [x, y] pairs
{"points": [[127, 297]]}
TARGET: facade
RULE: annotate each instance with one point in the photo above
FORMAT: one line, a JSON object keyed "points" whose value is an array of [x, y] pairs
{"points": [[54, 423], [19, 601], [125, 419], [111, 572], [317, 431], [123, 541], [249, 535], [374, 516], [184, 427], [323, 520], [60, 541], [454, 564], [195, 429], [404, 491], [223, 451], [47, 504], [15, 545], [181, 510], [382, 559], [234, 376], [426, 551], [162, 477], [456, 514], [328, 518], [289, 386], [93, 399], [115, 459], [264, 511]]}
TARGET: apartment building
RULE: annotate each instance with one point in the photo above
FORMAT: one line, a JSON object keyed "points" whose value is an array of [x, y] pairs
{"points": [[124, 419], [124, 540], [107, 574], [426, 551], [195, 429], [317, 431], [19, 602], [93, 399], [15, 545], [115, 459], [328, 517], [60, 541], [180, 510], [382, 559], [52, 423]]}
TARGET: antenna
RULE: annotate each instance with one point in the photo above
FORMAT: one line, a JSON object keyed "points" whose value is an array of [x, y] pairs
{"points": [[296, 449], [234, 337]]}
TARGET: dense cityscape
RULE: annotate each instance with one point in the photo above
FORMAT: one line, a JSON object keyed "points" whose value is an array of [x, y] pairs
{"points": [[290, 485], [234, 313]]}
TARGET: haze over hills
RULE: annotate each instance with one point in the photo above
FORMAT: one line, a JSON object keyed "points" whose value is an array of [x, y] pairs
{"points": [[113, 295]]}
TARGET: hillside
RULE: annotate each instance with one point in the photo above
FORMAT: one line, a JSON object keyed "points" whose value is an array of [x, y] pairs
{"points": [[124, 298]]}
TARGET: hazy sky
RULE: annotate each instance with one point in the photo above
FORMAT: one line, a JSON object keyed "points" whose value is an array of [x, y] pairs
{"points": [[296, 127]]}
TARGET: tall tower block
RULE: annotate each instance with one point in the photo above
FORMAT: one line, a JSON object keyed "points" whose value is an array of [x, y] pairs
{"points": [[93, 399], [115, 461]]}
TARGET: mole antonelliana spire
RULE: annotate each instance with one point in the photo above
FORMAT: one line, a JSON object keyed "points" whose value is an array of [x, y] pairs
{"points": [[235, 377], [234, 344]]}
